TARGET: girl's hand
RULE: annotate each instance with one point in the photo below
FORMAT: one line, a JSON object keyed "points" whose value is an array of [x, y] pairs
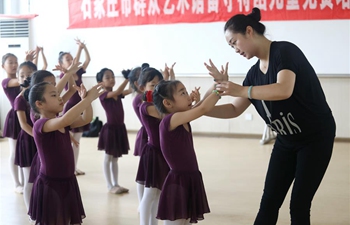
{"points": [[74, 142], [165, 72], [214, 72], [81, 90], [80, 43], [195, 95], [37, 50], [229, 88], [59, 68], [30, 55], [171, 72], [95, 92], [74, 67]]}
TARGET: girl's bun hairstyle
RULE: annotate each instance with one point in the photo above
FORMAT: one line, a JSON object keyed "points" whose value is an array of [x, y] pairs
{"points": [[144, 66], [126, 73], [26, 82]]}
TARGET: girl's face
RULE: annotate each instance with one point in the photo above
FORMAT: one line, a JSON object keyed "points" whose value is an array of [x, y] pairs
{"points": [[108, 79], [67, 60], [50, 79], [182, 100], [52, 103], [241, 43], [151, 84], [11, 65], [24, 73]]}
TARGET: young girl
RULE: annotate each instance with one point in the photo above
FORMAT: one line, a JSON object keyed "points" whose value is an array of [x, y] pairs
{"points": [[25, 148], [113, 137], [56, 197], [183, 199], [152, 168], [65, 60], [141, 136], [46, 76], [11, 127]]}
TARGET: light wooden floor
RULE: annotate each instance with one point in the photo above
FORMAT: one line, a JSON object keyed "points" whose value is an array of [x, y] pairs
{"points": [[233, 172]]}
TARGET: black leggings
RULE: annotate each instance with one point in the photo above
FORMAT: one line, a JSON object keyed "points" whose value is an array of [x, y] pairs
{"points": [[305, 162]]}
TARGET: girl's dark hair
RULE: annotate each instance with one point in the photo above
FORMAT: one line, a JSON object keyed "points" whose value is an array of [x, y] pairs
{"points": [[60, 56], [36, 93], [134, 75], [4, 57], [164, 90], [29, 64], [39, 76], [126, 73], [36, 78], [147, 75], [238, 23], [99, 75], [26, 82]]}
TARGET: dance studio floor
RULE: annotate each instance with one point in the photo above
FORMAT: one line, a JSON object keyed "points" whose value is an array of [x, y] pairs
{"points": [[233, 172]]}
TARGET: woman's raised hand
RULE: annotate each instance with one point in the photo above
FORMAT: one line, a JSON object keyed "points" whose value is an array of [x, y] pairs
{"points": [[215, 73]]}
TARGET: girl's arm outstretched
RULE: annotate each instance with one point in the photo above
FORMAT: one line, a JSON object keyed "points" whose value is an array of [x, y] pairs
{"points": [[71, 117], [185, 117], [119, 91]]}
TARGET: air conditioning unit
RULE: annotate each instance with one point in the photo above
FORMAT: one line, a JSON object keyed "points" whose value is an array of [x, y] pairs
{"points": [[14, 38]]}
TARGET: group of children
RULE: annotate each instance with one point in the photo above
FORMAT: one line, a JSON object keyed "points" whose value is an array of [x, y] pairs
{"points": [[44, 128]]}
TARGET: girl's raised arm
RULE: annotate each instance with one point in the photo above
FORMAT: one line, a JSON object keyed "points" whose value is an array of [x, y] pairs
{"points": [[185, 117], [87, 55], [72, 115], [70, 72]]}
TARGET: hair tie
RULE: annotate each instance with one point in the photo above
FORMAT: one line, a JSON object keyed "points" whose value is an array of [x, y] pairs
{"points": [[149, 96]]}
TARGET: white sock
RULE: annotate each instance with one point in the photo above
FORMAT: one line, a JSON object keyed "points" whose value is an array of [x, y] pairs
{"points": [[150, 195], [14, 169], [176, 222], [77, 137], [107, 170], [114, 171], [140, 188], [27, 190], [153, 220]]}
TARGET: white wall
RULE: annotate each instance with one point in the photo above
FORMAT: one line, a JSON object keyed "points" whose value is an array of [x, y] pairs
{"points": [[325, 43]]}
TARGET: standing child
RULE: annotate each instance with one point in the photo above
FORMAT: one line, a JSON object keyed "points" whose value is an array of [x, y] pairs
{"points": [[46, 76], [113, 137], [65, 60], [56, 197], [11, 127], [25, 148], [153, 168], [141, 136], [183, 199]]}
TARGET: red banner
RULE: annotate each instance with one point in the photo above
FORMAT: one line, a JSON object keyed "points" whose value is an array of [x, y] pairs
{"points": [[110, 13]]}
